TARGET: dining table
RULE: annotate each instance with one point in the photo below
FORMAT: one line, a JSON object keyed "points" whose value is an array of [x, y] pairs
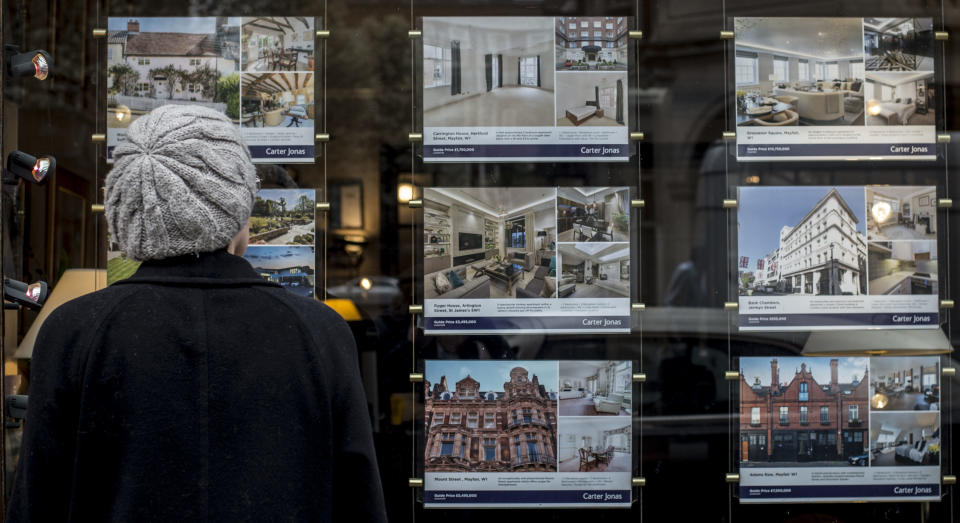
{"points": [[775, 107]]}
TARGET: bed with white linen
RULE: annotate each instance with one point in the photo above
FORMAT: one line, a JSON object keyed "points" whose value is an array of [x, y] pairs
{"points": [[897, 113], [580, 114]]}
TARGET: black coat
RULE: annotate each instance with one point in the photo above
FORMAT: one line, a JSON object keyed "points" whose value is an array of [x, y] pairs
{"points": [[196, 391]]}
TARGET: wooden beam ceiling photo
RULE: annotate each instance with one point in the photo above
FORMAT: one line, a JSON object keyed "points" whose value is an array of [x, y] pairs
{"points": [[273, 83]]}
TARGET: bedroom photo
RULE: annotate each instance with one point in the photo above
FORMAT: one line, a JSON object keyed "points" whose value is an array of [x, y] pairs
{"points": [[900, 98], [591, 99], [488, 72], [904, 439]]}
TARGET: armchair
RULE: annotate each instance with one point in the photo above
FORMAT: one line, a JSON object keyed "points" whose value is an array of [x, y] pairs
{"points": [[609, 404]]}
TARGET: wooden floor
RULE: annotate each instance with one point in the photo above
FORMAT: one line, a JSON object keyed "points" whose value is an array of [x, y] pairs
{"points": [[619, 463], [501, 107], [584, 407], [594, 290]]}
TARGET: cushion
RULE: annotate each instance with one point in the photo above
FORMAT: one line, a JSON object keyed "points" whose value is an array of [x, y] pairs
{"points": [[855, 86], [454, 279], [909, 101], [896, 101], [442, 283], [550, 287]]}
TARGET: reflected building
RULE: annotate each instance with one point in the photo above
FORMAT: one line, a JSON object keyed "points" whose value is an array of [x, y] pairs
{"points": [[472, 430]]}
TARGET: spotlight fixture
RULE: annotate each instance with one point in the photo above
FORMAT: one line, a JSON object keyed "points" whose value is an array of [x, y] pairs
{"points": [[37, 64], [31, 295], [31, 168]]}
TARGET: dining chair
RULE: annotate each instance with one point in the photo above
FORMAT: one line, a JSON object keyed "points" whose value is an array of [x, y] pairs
{"points": [[585, 459]]}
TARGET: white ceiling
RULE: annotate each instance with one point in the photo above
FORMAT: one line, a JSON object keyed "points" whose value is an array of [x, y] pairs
{"points": [[497, 201], [587, 194], [579, 369], [489, 33], [823, 38], [574, 253], [897, 78]]}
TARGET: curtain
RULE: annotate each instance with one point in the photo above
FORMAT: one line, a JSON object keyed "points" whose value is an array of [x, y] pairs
{"points": [[519, 60], [620, 102], [596, 95], [488, 70], [499, 70], [455, 67], [538, 70]]}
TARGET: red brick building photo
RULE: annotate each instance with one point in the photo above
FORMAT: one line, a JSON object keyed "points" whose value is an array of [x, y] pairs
{"points": [[510, 428], [805, 410]]}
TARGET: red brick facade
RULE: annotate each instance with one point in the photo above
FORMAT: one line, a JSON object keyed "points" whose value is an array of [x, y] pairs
{"points": [[471, 430], [803, 420]]}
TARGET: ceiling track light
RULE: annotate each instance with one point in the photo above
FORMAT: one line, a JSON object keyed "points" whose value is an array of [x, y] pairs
{"points": [[35, 169], [37, 64]]}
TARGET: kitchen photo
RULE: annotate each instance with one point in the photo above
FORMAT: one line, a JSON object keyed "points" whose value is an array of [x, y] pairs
{"points": [[902, 267]]}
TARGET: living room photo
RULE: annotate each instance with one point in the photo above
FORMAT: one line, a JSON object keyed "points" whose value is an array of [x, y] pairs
{"points": [[595, 388], [902, 213], [900, 98], [799, 71], [594, 270], [493, 242], [488, 72], [593, 214]]}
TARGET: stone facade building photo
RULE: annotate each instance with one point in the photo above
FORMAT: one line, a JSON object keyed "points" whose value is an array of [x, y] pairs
{"points": [[475, 425], [808, 241], [816, 416]]}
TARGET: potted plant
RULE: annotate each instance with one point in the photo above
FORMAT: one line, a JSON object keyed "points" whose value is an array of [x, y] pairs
{"points": [[272, 112]]}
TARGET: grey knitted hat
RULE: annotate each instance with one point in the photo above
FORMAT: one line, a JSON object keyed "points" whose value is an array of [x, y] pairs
{"points": [[183, 182]]}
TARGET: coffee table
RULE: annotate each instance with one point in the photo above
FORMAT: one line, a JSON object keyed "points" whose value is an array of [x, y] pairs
{"points": [[499, 272]]}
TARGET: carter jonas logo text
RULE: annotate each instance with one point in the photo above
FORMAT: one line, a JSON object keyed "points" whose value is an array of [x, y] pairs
{"points": [[909, 149]]}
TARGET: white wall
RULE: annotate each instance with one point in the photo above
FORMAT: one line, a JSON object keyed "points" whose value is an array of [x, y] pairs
{"points": [[575, 89], [475, 44]]}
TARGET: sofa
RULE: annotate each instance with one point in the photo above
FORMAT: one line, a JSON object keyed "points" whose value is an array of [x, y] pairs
{"points": [[537, 286], [814, 105], [608, 404], [472, 288], [566, 285]]}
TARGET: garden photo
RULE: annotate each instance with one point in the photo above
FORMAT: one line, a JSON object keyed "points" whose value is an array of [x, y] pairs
{"points": [[283, 217]]}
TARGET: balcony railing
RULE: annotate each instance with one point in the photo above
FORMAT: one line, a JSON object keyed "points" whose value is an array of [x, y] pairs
{"points": [[855, 423]]}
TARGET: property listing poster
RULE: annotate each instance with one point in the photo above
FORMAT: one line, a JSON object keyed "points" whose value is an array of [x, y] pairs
{"points": [[835, 88], [281, 248], [505, 434], [525, 89], [256, 70], [817, 429], [845, 257], [526, 260]]}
